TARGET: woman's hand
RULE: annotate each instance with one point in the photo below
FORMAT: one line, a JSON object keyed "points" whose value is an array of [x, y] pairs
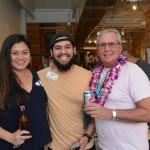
{"points": [[17, 138]]}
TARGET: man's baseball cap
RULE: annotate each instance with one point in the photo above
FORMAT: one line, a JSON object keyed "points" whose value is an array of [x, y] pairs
{"points": [[61, 36]]}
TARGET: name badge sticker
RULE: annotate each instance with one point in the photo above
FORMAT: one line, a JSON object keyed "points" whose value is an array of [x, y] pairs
{"points": [[52, 75]]}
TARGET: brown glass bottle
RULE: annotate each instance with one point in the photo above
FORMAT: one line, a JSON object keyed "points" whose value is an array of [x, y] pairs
{"points": [[23, 119]]}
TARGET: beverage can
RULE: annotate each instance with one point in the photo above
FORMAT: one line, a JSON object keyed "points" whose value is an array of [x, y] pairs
{"points": [[89, 97]]}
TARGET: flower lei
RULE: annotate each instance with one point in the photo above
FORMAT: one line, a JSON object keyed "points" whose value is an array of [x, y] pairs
{"points": [[108, 83]]}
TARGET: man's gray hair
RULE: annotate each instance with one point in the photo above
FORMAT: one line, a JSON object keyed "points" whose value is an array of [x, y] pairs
{"points": [[107, 31]]}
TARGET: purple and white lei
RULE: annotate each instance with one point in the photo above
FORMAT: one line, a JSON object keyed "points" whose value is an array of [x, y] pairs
{"points": [[107, 85]]}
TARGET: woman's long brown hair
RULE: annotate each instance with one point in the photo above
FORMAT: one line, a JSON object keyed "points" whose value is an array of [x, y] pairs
{"points": [[10, 88]]}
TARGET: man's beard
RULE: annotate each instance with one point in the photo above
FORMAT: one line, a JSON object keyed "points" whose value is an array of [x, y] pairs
{"points": [[64, 67]]}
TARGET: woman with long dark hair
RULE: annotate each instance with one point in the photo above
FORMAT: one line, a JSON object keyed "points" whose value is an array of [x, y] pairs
{"points": [[20, 85]]}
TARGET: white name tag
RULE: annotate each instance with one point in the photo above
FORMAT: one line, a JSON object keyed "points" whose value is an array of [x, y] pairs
{"points": [[52, 75]]}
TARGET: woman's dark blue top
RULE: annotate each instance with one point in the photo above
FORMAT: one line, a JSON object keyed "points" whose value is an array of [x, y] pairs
{"points": [[36, 112]]}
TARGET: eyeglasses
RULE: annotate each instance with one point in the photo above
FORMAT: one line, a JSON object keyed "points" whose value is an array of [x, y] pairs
{"points": [[111, 45]]}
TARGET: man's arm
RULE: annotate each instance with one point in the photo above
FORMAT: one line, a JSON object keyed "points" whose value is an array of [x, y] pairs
{"points": [[89, 132], [139, 114]]}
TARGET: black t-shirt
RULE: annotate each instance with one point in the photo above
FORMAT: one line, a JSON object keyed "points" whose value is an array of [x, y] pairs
{"points": [[36, 112], [144, 66]]}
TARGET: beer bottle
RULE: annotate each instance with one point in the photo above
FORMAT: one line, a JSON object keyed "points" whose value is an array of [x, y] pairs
{"points": [[23, 119]]}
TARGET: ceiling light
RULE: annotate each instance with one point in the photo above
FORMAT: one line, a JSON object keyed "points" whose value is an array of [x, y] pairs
{"points": [[134, 7], [136, 1], [123, 32], [131, 1]]}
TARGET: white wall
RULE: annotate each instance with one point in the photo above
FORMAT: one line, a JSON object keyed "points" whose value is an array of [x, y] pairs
{"points": [[10, 19]]}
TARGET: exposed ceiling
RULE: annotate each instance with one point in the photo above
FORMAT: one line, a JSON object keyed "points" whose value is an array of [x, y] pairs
{"points": [[95, 15], [93, 12]]}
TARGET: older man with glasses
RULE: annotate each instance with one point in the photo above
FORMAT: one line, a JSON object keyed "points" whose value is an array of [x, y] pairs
{"points": [[122, 93]]}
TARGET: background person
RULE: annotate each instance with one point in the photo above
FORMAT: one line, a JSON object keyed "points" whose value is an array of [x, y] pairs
{"points": [[93, 60], [122, 92], [65, 83], [141, 63], [20, 85]]}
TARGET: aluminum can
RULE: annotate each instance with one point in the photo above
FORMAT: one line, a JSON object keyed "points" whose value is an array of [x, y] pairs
{"points": [[88, 97]]}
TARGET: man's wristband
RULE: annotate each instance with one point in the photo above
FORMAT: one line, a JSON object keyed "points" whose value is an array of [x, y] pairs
{"points": [[114, 114], [88, 136]]}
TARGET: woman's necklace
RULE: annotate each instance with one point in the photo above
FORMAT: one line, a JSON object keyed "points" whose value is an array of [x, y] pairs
{"points": [[106, 87]]}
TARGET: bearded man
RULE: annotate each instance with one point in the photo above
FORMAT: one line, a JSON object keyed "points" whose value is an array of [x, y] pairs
{"points": [[64, 83]]}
